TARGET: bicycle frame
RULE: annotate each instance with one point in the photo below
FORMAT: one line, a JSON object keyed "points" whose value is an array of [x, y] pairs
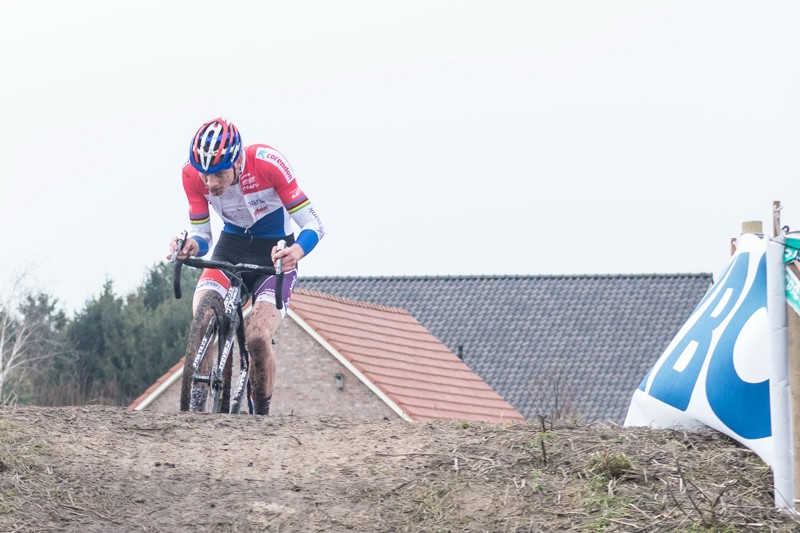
{"points": [[236, 322], [234, 319], [233, 326]]}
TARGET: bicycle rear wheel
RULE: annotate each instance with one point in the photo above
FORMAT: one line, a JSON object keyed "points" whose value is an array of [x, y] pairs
{"points": [[199, 362]]}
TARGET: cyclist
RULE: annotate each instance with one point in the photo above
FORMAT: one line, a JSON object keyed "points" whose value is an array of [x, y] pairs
{"points": [[254, 191]]}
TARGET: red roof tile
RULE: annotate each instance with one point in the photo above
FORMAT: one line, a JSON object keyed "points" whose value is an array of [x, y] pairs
{"points": [[402, 359], [152, 388]]}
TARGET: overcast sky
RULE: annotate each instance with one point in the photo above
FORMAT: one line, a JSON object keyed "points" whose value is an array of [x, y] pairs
{"points": [[433, 137]]}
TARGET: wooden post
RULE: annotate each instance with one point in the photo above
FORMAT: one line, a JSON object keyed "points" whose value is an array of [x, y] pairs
{"points": [[748, 226], [776, 218], [753, 226]]}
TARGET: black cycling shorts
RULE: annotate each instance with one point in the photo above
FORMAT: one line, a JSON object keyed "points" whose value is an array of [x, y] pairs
{"points": [[253, 250]]}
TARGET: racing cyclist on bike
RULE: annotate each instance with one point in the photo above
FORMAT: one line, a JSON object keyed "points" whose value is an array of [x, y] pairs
{"points": [[254, 191]]}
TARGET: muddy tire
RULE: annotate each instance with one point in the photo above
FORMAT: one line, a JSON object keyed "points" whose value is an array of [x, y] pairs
{"points": [[202, 350]]}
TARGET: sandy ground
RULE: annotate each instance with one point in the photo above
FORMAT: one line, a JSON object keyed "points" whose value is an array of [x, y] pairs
{"points": [[108, 469]]}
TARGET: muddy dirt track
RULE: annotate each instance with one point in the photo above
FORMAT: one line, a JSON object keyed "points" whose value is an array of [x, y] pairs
{"points": [[107, 469]]}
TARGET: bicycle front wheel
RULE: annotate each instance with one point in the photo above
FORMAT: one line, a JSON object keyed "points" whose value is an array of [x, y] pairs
{"points": [[203, 342], [221, 384]]}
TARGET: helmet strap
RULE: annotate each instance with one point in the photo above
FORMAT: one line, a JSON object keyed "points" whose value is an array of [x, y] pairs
{"points": [[237, 169]]}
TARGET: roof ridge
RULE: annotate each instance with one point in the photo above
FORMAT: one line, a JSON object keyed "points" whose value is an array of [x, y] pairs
{"points": [[507, 276], [350, 301]]}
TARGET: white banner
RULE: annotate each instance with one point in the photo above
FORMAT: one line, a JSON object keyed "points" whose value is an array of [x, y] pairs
{"points": [[715, 372]]}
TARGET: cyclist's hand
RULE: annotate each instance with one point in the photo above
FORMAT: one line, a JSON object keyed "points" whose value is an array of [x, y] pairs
{"points": [[290, 256], [190, 248]]}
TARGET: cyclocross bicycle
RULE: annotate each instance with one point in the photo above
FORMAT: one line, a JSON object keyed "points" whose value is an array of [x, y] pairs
{"points": [[219, 323]]}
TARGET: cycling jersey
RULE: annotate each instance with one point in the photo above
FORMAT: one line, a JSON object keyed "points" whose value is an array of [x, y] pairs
{"points": [[262, 204]]}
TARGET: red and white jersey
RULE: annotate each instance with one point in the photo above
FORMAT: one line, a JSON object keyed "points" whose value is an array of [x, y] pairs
{"points": [[263, 203]]}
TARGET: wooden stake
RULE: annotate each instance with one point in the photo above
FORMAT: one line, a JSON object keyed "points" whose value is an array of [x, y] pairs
{"points": [[776, 218], [753, 226]]}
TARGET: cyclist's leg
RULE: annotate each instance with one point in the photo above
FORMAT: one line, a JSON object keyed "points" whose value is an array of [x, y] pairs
{"points": [[262, 324], [210, 282]]}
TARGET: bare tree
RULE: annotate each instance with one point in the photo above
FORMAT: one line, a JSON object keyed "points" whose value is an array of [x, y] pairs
{"points": [[25, 337], [553, 396]]}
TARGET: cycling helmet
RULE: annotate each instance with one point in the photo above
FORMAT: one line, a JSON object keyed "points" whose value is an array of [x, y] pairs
{"points": [[215, 146]]}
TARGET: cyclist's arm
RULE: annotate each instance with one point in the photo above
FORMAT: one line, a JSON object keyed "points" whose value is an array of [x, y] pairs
{"points": [[311, 229], [275, 168], [199, 212]]}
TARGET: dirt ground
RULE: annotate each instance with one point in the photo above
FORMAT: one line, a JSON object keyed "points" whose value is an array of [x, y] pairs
{"points": [[108, 469]]}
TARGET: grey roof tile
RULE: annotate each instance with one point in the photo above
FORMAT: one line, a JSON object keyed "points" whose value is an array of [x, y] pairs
{"points": [[591, 337]]}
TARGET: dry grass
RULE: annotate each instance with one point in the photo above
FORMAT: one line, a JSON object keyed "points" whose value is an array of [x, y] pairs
{"points": [[106, 469]]}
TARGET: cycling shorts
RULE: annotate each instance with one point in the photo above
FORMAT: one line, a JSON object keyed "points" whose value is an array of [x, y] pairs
{"points": [[246, 249]]}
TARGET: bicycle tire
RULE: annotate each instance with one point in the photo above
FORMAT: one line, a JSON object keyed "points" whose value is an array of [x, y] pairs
{"points": [[221, 395], [204, 332], [241, 390], [227, 374]]}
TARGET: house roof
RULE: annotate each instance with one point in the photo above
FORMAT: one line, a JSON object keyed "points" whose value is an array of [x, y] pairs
{"points": [[393, 354], [585, 341], [396, 354], [152, 392]]}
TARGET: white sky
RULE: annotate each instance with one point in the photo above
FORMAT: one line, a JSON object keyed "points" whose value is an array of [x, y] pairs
{"points": [[433, 137]]}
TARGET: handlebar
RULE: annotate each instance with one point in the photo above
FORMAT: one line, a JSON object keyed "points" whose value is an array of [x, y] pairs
{"points": [[235, 269]]}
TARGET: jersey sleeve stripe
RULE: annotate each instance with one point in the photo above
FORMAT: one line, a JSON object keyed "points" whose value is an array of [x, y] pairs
{"points": [[297, 207]]}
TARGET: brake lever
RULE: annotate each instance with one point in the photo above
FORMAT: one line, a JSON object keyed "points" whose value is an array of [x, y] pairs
{"points": [[279, 277], [180, 242], [279, 264]]}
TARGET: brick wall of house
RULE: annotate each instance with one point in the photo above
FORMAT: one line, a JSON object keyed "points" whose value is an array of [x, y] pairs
{"points": [[306, 382], [168, 401]]}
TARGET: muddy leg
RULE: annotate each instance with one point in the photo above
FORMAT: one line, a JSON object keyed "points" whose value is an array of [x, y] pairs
{"points": [[261, 326]]}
